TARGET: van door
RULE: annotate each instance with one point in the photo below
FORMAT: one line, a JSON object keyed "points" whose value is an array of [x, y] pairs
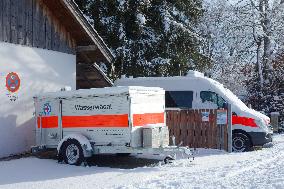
{"points": [[48, 122]]}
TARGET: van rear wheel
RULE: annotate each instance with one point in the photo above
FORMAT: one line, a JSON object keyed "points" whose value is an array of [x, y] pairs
{"points": [[72, 152], [241, 143]]}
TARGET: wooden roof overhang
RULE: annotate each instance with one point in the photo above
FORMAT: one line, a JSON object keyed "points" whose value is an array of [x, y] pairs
{"points": [[90, 47]]}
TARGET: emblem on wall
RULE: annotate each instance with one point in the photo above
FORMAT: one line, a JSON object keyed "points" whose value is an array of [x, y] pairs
{"points": [[46, 109], [13, 82]]}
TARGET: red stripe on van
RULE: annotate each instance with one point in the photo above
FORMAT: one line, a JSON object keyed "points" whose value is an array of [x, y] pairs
{"points": [[148, 118], [245, 121], [47, 122], [95, 121]]}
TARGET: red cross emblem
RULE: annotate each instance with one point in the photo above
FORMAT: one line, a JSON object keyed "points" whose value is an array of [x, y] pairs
{"points": [[46, 109]]}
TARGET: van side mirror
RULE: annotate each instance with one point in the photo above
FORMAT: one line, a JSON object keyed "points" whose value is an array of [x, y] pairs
{"points": [[225, 105]]}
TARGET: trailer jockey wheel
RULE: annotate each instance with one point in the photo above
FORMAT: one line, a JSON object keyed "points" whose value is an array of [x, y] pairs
{"points": [[169, 159], [72, 152], [241, 143], [123, 154]]}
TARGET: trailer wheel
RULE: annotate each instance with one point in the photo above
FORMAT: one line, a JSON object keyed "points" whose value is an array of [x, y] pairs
{"points": [[72, 152], [241, 143]]}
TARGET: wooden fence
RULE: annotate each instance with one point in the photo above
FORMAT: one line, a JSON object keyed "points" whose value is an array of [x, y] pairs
{"points": [[197, 129]]}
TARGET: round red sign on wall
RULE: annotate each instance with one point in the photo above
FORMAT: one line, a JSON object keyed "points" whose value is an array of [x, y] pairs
{"points": [[13, 82]]}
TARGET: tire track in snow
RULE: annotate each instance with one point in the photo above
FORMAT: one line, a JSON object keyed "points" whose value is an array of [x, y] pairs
{"points": [[257, 170], [249, 170]]}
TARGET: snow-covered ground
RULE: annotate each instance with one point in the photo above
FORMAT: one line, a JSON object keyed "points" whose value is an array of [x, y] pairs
{"points": [[210, 169]]}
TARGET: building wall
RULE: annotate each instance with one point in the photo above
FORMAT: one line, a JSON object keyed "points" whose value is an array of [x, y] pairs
{"points": [[39, 71], [29, 22]]}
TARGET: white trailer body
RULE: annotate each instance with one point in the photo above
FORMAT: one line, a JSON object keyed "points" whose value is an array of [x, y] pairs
{"points": [[108, 120]]}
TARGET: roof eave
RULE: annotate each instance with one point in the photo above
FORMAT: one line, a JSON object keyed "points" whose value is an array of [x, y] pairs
{"points": [[103, 74], [92, 33]]}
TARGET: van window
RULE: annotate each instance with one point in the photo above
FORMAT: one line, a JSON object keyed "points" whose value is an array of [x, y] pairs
{"points": [[179, 99], [212, 97]]}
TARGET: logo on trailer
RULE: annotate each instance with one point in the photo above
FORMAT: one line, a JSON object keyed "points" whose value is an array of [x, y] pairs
{"points": [[46, 109], [13, 82]]}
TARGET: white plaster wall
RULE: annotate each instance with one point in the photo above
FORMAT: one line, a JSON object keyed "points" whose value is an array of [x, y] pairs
{"points": [[39, 71]]}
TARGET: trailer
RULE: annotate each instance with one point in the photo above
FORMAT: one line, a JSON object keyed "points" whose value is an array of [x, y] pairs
{"points": [[114, 120]]}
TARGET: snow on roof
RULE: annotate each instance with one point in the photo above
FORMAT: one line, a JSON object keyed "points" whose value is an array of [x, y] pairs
{"points": [[190, 75], [101, 91]]}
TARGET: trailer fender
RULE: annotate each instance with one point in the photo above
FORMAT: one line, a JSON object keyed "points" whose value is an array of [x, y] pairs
{"points": [[85, 143]]}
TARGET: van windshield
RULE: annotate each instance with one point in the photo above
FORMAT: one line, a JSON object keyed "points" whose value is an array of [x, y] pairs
{"points": [[232, 97]]}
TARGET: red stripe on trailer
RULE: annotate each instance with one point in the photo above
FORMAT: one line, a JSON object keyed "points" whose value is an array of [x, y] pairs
{"points": [[95, 121], [148, 118], [245, 121], [48, 122]]}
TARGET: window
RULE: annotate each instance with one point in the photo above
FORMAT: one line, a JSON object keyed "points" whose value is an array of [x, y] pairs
{"points": [[221, 102], [179, 99], [212, 97]]}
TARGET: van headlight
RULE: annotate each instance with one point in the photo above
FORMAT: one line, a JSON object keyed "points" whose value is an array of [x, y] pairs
{"points": [[270, 127], [267, 121], [261, 123], [267, 126]]}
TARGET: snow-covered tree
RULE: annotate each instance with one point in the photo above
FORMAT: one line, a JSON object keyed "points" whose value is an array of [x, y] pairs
{"points": [[228, 44], [243, 38], [149, 37], [268, 29]]}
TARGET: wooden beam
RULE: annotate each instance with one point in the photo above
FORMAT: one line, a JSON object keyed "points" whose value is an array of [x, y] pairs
{"points": [[92, 73], [86, 48], [85, 58]]}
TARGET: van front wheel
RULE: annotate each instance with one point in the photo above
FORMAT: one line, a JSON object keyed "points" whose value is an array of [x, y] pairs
{"points": [[241, 143]]}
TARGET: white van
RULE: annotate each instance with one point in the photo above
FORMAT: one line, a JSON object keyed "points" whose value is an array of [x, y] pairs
{"points": [[250, 128]]}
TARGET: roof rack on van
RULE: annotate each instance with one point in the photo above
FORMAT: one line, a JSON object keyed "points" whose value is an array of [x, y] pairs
{"points": [[191, 73]]}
